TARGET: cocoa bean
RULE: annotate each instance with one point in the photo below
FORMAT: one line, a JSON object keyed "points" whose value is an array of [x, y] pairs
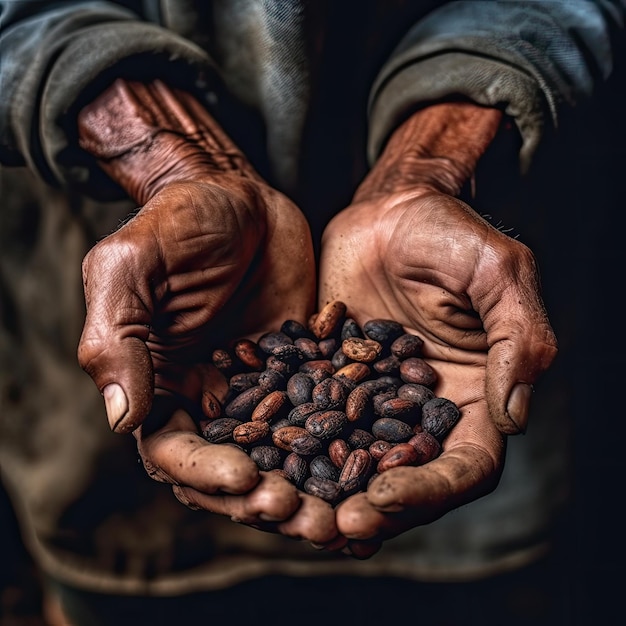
{"points": [[393, 430], [400, 454], [266, 457], [244, 404], [406, 346], [273, 406], [272, 340], [426, 445], [322, 467], [248, 433], [247, 351], [383, 331], [331, 393], [323, 488], [361, 350], [329, 319], [356, 471], [326, 424], [296, 469], [338, 452], [439, 415], [220, 430], [416, 370], [299, 388]]}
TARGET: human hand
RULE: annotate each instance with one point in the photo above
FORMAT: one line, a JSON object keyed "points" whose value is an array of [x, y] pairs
{"points": [[407, 250], [213, 253]]}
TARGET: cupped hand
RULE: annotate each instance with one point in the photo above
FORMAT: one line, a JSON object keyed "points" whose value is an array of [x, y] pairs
{"points": [[428, 261], [199, 263]]}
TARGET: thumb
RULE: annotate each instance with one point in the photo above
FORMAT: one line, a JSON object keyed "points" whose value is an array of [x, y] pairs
{"points": [[112, 347], [522, 347]]}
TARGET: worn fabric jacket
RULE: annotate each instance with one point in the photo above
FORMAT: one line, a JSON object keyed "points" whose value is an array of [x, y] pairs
{"points": [[310, 91]]}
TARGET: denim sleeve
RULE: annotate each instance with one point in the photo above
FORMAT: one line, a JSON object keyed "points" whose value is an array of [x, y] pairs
{"points": [[55, 55], [529, 58]]}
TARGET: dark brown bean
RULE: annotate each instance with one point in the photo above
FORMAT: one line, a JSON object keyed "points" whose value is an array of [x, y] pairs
{"points": [[439, 416], [219, 430], [393, 430], [416, 370]]}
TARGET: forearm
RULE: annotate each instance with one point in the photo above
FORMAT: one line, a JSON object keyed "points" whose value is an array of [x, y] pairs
{"points": [[148, 135], [438, 147]]}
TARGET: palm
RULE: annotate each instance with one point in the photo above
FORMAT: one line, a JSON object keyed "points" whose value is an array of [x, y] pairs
{"points": [[428, 261]]}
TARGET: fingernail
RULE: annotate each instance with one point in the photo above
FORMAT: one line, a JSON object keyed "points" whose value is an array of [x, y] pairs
{"points": [[518, 404], [116, 404]]}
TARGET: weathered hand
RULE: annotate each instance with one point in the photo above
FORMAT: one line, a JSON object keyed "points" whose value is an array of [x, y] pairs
{"points": [[214, 253], [421, 257]]}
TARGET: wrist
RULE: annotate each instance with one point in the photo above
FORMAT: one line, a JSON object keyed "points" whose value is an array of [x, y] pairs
{"points": [[437, 148], [146, 136]]}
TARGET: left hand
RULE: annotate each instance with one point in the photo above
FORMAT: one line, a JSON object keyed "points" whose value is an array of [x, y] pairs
{"points": [[423, 258]]}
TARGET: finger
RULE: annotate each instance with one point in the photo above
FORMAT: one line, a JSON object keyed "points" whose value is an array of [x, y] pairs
{"points": [[314, 521], [403, 497], [522, 346], [273, 499], [362, 549], [175, 453], [112, 347]]}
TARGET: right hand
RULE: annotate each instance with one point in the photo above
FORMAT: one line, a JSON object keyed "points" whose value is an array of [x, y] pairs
{"points": [[213, 254]]}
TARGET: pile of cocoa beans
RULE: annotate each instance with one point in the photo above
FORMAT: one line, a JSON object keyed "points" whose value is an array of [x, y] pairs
{"points": [[330, 405]]}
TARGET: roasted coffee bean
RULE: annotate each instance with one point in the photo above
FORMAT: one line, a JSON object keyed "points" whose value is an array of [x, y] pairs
{"points": [[248, 433], [270, 341], [383, 331], [326, 424], [273, 406], [220, 430], [322, 467], [426, 445], [296, 469], [244, 404], [406, 346], [266, 457], [271, 380], [416, 370], [299, 388], [439, 415], [338, 452], [393, 430], [400, 454], [361, 350], [323, 488]]}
